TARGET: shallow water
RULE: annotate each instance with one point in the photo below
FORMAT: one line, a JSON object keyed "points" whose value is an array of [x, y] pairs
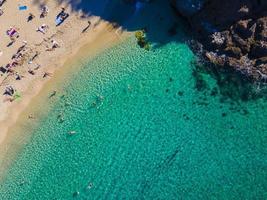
{"points": [[143, 131]]}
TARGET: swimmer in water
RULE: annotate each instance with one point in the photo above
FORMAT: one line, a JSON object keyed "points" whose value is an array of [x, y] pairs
{"points": [[72, 132], [75, 194], [89, 186]]}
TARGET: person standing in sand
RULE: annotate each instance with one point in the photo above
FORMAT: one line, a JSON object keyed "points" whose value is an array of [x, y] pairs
{"points": [[46, 74], [87, 27], [30, 17]]}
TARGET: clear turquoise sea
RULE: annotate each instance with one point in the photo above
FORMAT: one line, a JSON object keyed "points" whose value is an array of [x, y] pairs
{"points": [[143, 131]]}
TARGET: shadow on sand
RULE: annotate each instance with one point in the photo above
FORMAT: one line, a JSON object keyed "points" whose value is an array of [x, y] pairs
{"points": [[163, 26], [156, 17]]}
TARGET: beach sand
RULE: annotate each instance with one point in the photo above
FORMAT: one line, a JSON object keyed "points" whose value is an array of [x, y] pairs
{"points": [[73, 43]]}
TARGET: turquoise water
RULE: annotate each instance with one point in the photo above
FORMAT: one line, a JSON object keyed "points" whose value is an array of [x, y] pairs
{"points": [[149, 125], [143, 131]]}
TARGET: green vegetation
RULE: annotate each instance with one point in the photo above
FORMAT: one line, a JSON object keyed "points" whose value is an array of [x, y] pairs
{"points": [[16, 96], [141, 39]]}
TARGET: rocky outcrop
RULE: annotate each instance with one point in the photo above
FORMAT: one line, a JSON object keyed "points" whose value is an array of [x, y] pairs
{"points": [[233, 33]]}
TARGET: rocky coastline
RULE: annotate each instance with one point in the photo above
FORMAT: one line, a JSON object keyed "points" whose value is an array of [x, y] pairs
{"points": [[232, 34]]}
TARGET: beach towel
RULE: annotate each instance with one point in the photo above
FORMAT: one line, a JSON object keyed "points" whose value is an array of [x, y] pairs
{"points": [[58, 21], [22, 7]]}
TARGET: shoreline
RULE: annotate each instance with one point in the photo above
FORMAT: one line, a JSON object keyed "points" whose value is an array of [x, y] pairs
{"points": [[90, 44], [15, 109], [15, 136]]}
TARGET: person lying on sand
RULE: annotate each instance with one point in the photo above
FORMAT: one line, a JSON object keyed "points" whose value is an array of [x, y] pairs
{"points": [[17, 76], [9, 91], [44, 11], [43, 28], [1, 12], [61, 17], [2, 2], [54, 45], [31, 72]]}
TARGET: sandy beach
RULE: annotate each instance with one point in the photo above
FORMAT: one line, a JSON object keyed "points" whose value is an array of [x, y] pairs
{"points": [[37, 56]]}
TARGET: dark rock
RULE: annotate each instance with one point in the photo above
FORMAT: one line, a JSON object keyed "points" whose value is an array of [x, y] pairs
{"points": [[262, 60], [233, 52], [259, 50], [241, 43], [215, 58], [232, 33], [243, 30], [261, 29]]}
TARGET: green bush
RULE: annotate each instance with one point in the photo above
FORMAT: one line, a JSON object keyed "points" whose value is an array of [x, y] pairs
{"points": [[141, 40]]}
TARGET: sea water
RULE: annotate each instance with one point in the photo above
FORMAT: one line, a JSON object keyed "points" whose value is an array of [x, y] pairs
{"points": [[145, 125], [143, 131]]}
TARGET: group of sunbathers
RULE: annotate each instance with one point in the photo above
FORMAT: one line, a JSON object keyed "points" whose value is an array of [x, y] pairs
{"points": [[13, 33]]}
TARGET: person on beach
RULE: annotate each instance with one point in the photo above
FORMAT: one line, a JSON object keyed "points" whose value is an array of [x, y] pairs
{"points": [[53, 94], [31, 116], [30, 17], [13, 34], [46, 74], [44, 11], [61, 17], [18, 77], [1, 12], [2, 2], [62, 10], [87, 27], [55, 44], [43, 28], [31, 72], [34, 56], [9, 91]]}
